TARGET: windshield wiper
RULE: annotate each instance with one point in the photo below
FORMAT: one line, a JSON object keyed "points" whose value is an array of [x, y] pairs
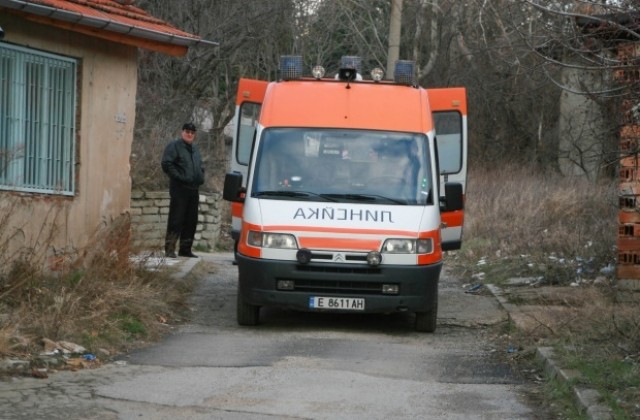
{"points": [[363, 197], [292, 194]]}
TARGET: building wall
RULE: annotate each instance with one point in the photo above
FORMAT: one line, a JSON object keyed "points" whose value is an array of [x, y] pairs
{"points": [[584, 132], [107, 81]]}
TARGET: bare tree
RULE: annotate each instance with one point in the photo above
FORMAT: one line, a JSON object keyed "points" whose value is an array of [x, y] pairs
{"points": [[585, 49], [514, 57], [474, 44], [202, 85]]}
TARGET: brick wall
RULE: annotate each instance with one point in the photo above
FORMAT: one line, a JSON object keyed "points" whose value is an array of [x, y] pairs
{"points": [[628, 243], [149, 213]]}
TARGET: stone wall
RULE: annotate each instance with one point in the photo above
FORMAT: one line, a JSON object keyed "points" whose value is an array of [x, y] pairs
{"points": [[149, 213]]}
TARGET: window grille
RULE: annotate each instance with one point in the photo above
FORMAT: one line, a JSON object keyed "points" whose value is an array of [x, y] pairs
{"points": [[37, 121]]}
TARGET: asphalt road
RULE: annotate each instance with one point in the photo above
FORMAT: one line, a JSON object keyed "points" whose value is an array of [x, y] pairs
{"points": [[294, 366]]}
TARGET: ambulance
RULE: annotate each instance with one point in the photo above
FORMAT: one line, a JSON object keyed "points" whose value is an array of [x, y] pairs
{"points": [[346, 190]]}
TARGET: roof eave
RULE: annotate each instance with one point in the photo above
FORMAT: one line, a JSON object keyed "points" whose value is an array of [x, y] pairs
{"points": [[109, 25]]}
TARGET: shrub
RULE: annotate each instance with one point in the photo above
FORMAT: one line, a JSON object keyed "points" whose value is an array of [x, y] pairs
{"points": [[99, 299]]}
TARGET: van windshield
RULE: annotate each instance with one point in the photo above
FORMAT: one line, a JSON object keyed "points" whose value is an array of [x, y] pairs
{"points": [[363, 166]]}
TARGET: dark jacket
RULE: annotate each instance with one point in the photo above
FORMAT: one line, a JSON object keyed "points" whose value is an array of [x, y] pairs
{"points": [[183, 163]]}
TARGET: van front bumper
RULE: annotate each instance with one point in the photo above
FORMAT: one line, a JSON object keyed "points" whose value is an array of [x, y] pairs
{"points": [[417, 285]]}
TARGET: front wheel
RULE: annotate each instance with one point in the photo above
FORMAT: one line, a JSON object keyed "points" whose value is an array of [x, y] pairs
{"points": [[246, 313], [427, 321]]}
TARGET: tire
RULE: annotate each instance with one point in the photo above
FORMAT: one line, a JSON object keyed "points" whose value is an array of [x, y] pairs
{"points": [[427, 321], [246, 314]]}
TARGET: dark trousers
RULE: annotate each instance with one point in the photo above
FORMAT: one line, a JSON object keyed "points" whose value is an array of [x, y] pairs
{"points": [[183, 218]]}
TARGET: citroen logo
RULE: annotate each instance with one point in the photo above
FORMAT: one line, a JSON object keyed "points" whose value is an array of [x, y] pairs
{"points": [[338, 257]]}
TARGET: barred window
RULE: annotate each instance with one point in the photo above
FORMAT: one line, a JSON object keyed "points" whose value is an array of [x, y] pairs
{"points": [[37, 121]]}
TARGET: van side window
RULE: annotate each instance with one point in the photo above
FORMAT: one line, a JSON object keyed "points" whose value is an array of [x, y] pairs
{"points": [[449, 137], [249, 113]]}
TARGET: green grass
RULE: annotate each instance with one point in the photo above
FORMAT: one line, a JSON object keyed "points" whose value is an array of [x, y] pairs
{"points": [[617, 381], [560, 395], [74, 278], [130, 325]]}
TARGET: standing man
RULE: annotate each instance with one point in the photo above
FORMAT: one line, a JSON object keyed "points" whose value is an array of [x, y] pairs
{"points": [[182, 162]]}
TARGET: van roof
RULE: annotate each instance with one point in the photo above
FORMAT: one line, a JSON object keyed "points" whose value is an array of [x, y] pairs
{"points": [[363, 105]]}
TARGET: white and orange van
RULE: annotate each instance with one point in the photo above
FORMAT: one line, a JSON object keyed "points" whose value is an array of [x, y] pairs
{"points": [[345, 191]]}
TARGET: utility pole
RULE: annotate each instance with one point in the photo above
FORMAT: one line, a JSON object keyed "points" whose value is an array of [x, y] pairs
{"points": [[395, 26]]}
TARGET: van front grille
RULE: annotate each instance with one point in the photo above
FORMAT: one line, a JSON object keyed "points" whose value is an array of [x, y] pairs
{"points": [[342, 269], [338, 287]]}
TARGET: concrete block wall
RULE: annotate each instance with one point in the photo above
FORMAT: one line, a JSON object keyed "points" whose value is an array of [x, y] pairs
{"points": [[149, 213]]}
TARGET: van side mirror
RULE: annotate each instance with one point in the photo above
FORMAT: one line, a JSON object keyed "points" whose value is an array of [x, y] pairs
{"points": [[233, 187], [453, 197]]}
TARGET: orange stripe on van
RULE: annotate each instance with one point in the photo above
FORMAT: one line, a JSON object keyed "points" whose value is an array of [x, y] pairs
{"points": [[236, 209], [350, 231], [453, 218], [339, 243], [436, 255], [347, 244], [425, 259], [243, 247]]}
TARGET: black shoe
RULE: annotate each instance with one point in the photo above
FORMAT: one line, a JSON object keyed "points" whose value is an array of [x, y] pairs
{"points": [[187, 254], [170, 254]]}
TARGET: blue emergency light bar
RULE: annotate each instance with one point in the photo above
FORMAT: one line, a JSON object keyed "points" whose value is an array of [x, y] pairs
{"points": [[404, 73], [291, 67]]}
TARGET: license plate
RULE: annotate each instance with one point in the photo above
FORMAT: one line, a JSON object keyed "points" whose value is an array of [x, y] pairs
{"points": [[347, 304]]}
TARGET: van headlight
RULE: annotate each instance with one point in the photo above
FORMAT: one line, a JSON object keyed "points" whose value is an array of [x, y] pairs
{"points": [[408, 246], [272, 240]]}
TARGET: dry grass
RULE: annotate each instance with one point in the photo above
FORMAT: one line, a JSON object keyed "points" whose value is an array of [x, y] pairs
{"points": [[100, 300], [561, 233], [537, 224]]}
